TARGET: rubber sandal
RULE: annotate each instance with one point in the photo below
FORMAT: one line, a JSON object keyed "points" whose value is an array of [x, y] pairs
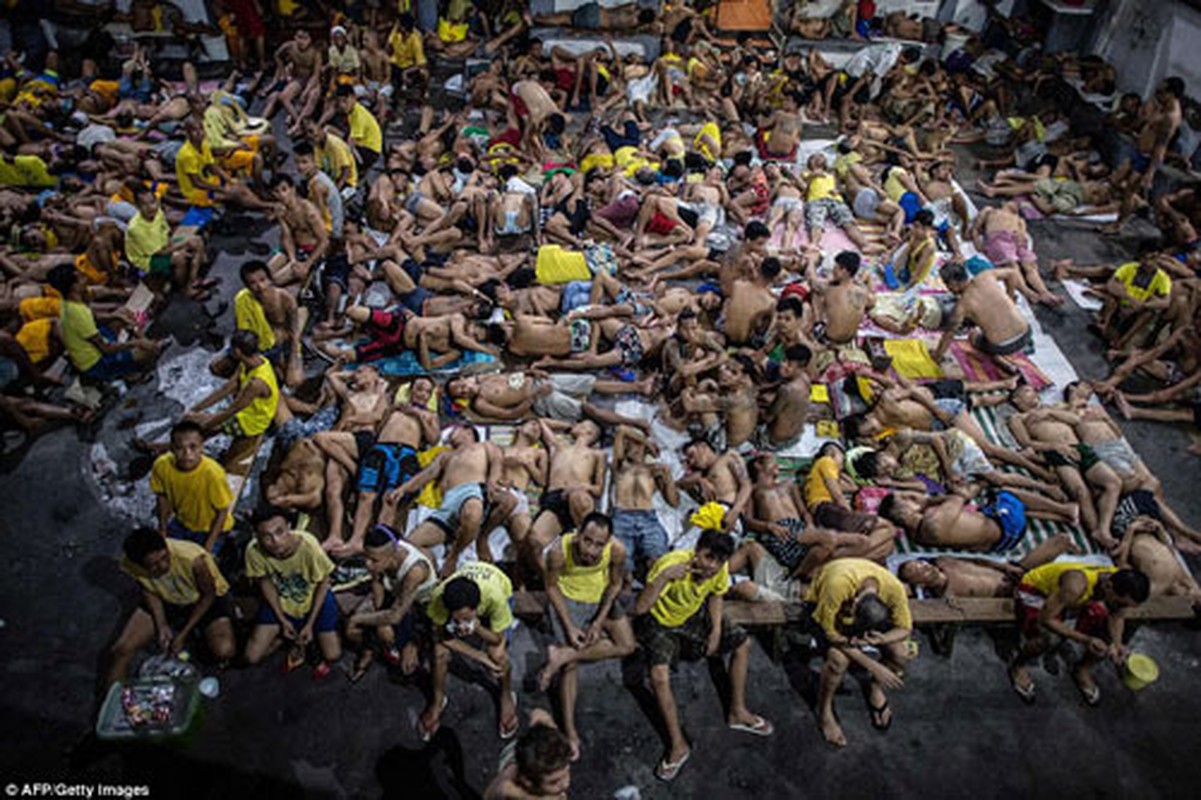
{"points": [[877, 716], [361, 665], [321, 671], [426, 735], [667, 771], [760, 728], [1091, 695], [1027, 693], [508, 733]]}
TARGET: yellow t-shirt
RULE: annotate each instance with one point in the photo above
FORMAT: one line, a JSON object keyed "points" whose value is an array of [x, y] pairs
{"points": [[681, 599], [364, 129], [192, 161], [249, 316], [78, 326], [27, 171], [838, 582], [844, 162], [178, 587], [196, 497], [1045, 579], [144, 238], [495, 593], [584, 584], [822, 187], [218, 132], [256, 418], [893, 186], [296, 577], [334, 157], [1160, 285], [407, 51], [816, 491]]}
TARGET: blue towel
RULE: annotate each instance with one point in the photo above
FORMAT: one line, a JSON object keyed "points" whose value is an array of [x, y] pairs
{"points": [[406, 364]]}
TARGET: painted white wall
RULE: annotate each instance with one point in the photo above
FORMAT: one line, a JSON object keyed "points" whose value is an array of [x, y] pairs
{"points": [[1149, 41]]}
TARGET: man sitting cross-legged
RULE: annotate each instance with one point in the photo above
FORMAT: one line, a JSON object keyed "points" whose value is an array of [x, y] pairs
{"points": [[584, 574]]}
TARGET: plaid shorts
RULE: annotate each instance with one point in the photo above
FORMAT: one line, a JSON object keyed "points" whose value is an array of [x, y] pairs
{"points": [[687, 642]]}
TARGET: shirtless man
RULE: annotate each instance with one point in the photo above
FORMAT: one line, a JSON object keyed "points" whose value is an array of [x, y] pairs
{"points": [[952, 576], [947, 521], [562, 396], [525, 465], [298, 66], [637, 476], [841, 302], [631, 345], [1161, 118], [1147, 548], [261, 302], [948, 205], [984, 302], [751, 307], [303, 240], [781, 134], [714, 478], [364, 396], [392, 459], [469, 475], [999, 232], [534, 112], [785, 417], [737, 400], [1051, 433], [300, 483], [574, 484]]}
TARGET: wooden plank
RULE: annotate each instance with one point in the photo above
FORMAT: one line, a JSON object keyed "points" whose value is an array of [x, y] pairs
{"points": [[530, 604]]}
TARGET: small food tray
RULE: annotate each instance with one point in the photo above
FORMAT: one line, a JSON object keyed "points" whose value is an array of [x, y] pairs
{"points": [[175, 701]]}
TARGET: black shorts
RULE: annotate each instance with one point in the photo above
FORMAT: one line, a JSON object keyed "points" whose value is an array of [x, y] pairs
{"points": [[688, 642], [177, 616], [554, 501], [689, 217], [364, 441], [336, 271]]}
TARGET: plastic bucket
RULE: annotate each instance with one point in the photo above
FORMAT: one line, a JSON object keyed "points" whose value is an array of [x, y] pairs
{"points": [[1140, 671]]}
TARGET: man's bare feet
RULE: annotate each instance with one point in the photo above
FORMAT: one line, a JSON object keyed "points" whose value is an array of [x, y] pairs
{"points": [[985, 189], [333, 544], [832, 731], [556, 658]]}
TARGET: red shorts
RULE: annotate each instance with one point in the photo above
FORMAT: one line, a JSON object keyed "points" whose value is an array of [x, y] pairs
{"points": [[661, 224], [1091, 618], [766, 155], [519, 106], [565, 79], [387, 332]]}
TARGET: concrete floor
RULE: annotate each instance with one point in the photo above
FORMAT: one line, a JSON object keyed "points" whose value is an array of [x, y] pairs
{"points": [[959, 729]]}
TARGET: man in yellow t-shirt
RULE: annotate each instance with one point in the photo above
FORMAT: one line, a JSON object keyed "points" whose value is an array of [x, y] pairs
{"points": [[334, 156], [149, 248], [92, 353], [201, 179], [293, 574], [472, 615], [679, 615], [253, 387], [192, 490], [182, 592], [1136, 295], [410, 70], [365, 134], [862, 608], [584, 574]]}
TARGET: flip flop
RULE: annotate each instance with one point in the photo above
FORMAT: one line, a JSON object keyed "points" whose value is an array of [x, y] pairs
{"points": [[877, 716], [361, 665], [1025, 692], [508, 733], [667, 771], [426, 735], [761, 727], [1091, 695]]}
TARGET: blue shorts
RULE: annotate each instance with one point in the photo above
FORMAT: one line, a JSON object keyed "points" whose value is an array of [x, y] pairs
{"points": [[641, 533], [949, 405], [327, 619], [112, 366], [910, 203], [177, 530], [1010, 514], [448, 514], [387, 465]]}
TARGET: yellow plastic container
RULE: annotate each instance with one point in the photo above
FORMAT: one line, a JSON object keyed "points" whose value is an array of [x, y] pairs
{"points": [[1141, 670]]}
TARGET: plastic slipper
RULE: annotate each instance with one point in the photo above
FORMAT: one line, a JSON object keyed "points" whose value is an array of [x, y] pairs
{"points": [[761, 728], [1091, 694], [361, 665], [321, 671], [877, 716], [508, 733], [426, 735], [1025, 692], [668, 770]]}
